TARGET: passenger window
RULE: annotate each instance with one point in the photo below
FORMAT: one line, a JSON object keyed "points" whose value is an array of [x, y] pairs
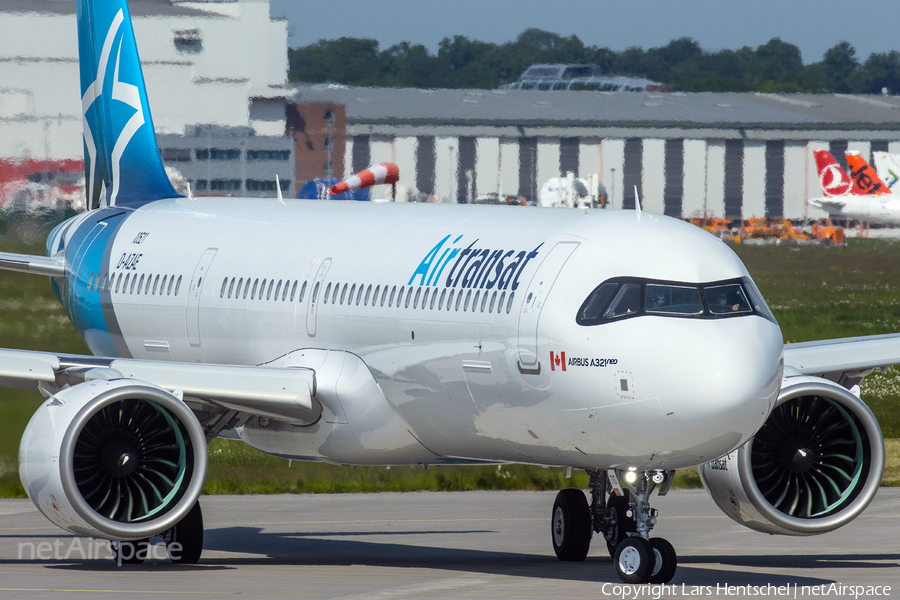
{"points": [[147, 289], [473, 303], [400, 296], [593, 307], [177, 284], [626, 302], [500, 304], [90, 281], [118, 282], [450, 300], [327, 294], [408, 297], [125, 287], [315, 293], [269, 291], [368, 294], [253, 291], [155, 284], [293, 290], [246, 288], [416, 302], [302, 292], [459, 298], [162, 287], [726, 299], [441, 302], [391, 301], [484, 301], [433, 299], [509, 304], [359, 293], [224, 285], [344, 293], [671, 299], [493, 301], [278, 290], [375, 296]]}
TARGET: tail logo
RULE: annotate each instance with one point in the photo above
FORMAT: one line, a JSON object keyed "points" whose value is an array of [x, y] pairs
{"points": [[834, 181], [122, 92]]}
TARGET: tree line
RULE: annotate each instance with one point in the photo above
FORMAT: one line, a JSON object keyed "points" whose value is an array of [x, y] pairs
{"points": [[462, 63]]}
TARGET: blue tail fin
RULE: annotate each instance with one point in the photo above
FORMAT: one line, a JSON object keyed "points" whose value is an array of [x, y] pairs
{"points": [[121, 159]]}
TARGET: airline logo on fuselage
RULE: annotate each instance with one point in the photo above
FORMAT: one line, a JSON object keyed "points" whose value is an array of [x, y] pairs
{"points": [[474, 267]]}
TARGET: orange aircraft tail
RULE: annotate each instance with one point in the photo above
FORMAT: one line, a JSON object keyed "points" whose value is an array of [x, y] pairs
{"points": [[866, 181]]}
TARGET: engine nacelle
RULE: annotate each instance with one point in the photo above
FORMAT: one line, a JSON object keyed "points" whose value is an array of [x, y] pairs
{"points": [[814, 465], [120, 459]]}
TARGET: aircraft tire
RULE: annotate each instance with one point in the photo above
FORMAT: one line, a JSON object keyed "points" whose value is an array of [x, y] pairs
{"points": [[634, 560], [189, 534], [666, 561], [624, 524], [571, 525]]}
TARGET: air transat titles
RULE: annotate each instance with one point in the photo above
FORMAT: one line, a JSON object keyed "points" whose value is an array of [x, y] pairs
{"points": [[480, 268]]}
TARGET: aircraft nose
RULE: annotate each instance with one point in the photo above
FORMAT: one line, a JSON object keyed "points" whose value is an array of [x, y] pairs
{"points": [[731, 376]]}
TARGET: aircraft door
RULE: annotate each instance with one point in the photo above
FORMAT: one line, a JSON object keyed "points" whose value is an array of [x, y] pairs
{"points": [[315, 297], [535, 296], [193, 303]]}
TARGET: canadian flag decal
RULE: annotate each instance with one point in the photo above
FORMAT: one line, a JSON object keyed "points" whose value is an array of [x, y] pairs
{"points": [[557, 360]]}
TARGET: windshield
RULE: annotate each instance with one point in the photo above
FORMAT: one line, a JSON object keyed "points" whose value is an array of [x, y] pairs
{"points": [[625, 297]]}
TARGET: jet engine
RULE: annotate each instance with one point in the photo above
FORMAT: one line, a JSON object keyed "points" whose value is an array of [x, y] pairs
{"points": [[120, 459], [814, 465]]}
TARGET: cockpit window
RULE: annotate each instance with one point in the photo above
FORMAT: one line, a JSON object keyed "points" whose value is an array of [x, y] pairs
{"points": [[626, 302], [626, 297], [672, 299], [727, 299], [597, 301]]}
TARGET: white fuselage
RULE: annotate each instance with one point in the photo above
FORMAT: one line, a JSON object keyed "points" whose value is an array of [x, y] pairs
{"points": [[476, 378], [883, 210]]}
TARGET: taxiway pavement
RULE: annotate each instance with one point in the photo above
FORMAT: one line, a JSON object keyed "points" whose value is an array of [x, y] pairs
{"points": [[444, 545]]}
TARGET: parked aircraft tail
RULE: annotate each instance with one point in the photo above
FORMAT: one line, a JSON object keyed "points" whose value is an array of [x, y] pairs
{"points": [[865, 179], [121, 159], [833, 179], [888, 167]]}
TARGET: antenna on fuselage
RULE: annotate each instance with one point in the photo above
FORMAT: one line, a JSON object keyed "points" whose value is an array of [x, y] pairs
{"points": [[278, 189], [637, 204]]}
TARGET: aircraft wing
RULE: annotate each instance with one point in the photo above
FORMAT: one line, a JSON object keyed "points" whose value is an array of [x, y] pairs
{"points": [[39, 265], [845, 360], [828, 203], [282, 393]]}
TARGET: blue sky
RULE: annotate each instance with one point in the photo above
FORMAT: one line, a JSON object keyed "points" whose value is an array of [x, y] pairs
{"points": [[812, 25]]}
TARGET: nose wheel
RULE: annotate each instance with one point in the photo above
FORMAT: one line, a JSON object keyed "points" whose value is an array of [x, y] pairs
{"points": [[624, 518]]}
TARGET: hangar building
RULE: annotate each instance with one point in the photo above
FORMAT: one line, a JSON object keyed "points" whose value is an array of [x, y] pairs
{"points": [[720, 154]]}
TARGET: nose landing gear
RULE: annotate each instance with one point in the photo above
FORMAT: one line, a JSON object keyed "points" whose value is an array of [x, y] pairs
{"points": [[623, 517]]}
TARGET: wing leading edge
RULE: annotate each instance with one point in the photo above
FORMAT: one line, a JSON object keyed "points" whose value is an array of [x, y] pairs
{"points": [[844, 360], [52, 266]]}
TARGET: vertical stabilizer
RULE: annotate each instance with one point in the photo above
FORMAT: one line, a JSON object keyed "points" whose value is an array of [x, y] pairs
{"points": [[121, 159], [888, 167], [834, 181], [865, 179]]}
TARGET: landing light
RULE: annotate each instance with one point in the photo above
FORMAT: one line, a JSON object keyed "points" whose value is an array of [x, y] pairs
{"points": [[631, 475]]}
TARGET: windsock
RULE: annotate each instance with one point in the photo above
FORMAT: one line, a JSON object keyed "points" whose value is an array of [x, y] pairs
{"points": [[864, 176], [380, 173]]}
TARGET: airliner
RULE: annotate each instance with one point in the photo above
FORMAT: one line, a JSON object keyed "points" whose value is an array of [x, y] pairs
{"points": [[624, 343], [862, 195]]}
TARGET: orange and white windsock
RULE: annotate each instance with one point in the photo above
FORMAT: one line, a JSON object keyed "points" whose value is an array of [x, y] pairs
{"points": [[376, 174]]}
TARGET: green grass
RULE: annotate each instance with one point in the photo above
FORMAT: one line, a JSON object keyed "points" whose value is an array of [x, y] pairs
{"points": [[815, 292]]}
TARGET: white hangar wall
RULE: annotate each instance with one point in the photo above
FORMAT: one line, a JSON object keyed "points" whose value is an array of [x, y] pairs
{"points": [[681, 176]]}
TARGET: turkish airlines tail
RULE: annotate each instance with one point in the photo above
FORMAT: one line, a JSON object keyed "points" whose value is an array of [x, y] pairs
{"points": [[833, 179], [865, 179]]}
